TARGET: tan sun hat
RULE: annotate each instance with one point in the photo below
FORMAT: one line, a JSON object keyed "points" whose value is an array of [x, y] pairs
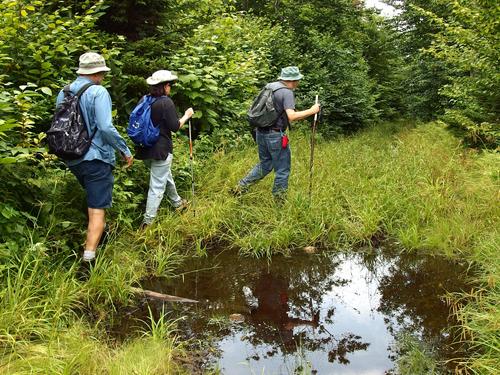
{"points": [[91, 63], [161, 76]]}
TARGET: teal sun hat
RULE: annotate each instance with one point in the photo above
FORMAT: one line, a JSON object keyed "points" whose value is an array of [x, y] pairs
{"points": [[290, 73]]}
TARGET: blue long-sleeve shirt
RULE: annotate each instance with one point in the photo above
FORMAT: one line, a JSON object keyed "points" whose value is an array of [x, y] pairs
{"points": [[95, 104]]}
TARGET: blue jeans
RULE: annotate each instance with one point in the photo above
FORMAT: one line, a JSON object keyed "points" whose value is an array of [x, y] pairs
{"points": [[160, 179], [271, 156]]}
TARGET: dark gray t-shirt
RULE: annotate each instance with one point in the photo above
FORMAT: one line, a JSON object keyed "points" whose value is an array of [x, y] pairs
{"points": [[283, 100]]}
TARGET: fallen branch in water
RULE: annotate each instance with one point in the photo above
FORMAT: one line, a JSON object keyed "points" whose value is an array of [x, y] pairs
{"points": [[161, 296]]}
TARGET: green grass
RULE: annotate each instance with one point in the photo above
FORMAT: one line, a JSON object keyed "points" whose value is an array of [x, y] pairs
{"points": [[414, 358], [417, 186]]}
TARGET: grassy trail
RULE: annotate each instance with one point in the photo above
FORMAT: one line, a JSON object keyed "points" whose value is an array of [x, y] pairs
{"points": [[417, 186]]}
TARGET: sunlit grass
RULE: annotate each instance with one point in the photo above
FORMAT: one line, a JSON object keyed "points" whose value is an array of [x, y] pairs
{"points": [[416, 185]]}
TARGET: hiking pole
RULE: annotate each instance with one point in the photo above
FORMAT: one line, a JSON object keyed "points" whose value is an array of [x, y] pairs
{"points": [[192, 168], [311, 160]]}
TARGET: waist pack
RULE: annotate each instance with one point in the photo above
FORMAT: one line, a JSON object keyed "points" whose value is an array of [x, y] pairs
{"points": [[262, 113], [141, 129], [68, 136]]}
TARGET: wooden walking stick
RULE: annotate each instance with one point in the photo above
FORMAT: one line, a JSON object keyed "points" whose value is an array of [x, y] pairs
{"points": [[311, 160], [192, 167]]}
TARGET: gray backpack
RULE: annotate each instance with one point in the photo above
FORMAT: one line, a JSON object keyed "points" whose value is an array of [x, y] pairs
{"points": [[262, 113]]}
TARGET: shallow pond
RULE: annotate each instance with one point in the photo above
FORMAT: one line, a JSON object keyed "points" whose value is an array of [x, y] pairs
{"points": [[326, 312]]}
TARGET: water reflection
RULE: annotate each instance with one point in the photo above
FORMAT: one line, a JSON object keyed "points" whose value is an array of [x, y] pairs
{"points": [[338, 311]]}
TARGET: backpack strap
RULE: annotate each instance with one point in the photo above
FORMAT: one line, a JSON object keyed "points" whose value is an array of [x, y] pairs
{"points": [[83, 88], [67, 91], [153, 101]]}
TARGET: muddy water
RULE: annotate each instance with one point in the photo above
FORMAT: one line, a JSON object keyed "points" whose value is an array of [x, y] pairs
{"points": [[330, 313]]}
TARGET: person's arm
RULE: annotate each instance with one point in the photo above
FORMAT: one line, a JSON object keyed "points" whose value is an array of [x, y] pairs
{"points": [[300, 115], [187, 115], [102, 105], [170, 116]]}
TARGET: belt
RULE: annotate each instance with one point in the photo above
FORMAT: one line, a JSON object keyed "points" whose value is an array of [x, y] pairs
{"points": [[268, 130]]}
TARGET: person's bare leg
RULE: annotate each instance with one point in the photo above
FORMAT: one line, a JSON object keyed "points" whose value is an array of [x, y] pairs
{"points": [[94, 232]]}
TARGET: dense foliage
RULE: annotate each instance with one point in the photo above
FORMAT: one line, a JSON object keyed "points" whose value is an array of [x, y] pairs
{"points": [[436, 59], [452, 50]]}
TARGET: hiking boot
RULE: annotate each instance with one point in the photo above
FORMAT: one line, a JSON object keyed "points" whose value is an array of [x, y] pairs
{"points": [[280, 199], [238, 190], [84, 270], [182, 206]]}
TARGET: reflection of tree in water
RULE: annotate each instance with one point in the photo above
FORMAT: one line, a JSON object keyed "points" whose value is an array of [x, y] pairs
{"points": [[411, 297], [282, 310], [290, 291], [346, 345]]}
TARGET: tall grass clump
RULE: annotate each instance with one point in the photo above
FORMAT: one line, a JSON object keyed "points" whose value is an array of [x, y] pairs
{"points": [[414, 358], [38, 296], [53, 323], [54, 314], [477, 310], [418, 186]]}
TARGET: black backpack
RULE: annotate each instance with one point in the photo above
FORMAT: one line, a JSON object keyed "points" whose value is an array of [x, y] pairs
{"points": [[68, 136], [262, 113]]}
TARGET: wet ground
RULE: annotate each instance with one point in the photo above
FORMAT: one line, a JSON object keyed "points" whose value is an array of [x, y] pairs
{"points": [[326, 312]]}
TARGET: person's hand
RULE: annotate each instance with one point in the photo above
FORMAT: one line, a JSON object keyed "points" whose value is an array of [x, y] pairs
{"points": [[315, 108], [189, 113], [129, 160]]}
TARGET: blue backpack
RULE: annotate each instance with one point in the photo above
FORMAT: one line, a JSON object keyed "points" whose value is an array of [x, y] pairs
{"points": [[141, 129]]}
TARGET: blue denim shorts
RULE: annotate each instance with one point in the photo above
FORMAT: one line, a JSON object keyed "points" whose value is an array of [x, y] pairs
{"points": [[97, 179]]}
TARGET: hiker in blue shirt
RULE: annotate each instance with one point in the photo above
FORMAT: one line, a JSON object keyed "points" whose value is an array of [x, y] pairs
{"points": [[94, 170], [272, 142]]}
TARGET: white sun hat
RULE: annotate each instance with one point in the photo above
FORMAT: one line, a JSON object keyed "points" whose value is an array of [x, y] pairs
{"points": [[91, 63], [161, 76]]}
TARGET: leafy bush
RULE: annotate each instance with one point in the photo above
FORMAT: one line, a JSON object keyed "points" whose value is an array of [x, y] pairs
{"points": [[39, 45], [456, 48], [38, 50]]}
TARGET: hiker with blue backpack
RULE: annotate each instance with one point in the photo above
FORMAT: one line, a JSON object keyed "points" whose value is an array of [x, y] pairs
{"points": [[271, 114], [82, 134], [150, 127]]}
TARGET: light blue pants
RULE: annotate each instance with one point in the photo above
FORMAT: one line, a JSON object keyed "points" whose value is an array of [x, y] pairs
{"points": [[160, 179]]}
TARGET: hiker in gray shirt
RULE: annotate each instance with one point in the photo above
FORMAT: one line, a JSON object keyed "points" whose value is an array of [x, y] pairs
{"points": [[272, 141]]}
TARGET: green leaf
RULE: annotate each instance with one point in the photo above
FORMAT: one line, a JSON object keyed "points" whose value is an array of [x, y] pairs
{"points": [[8, 126], [66, 224], [46, 91], [8, 160]]}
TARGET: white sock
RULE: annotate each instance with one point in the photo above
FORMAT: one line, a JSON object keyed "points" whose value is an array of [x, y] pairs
{"points": [[88, 255]]}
